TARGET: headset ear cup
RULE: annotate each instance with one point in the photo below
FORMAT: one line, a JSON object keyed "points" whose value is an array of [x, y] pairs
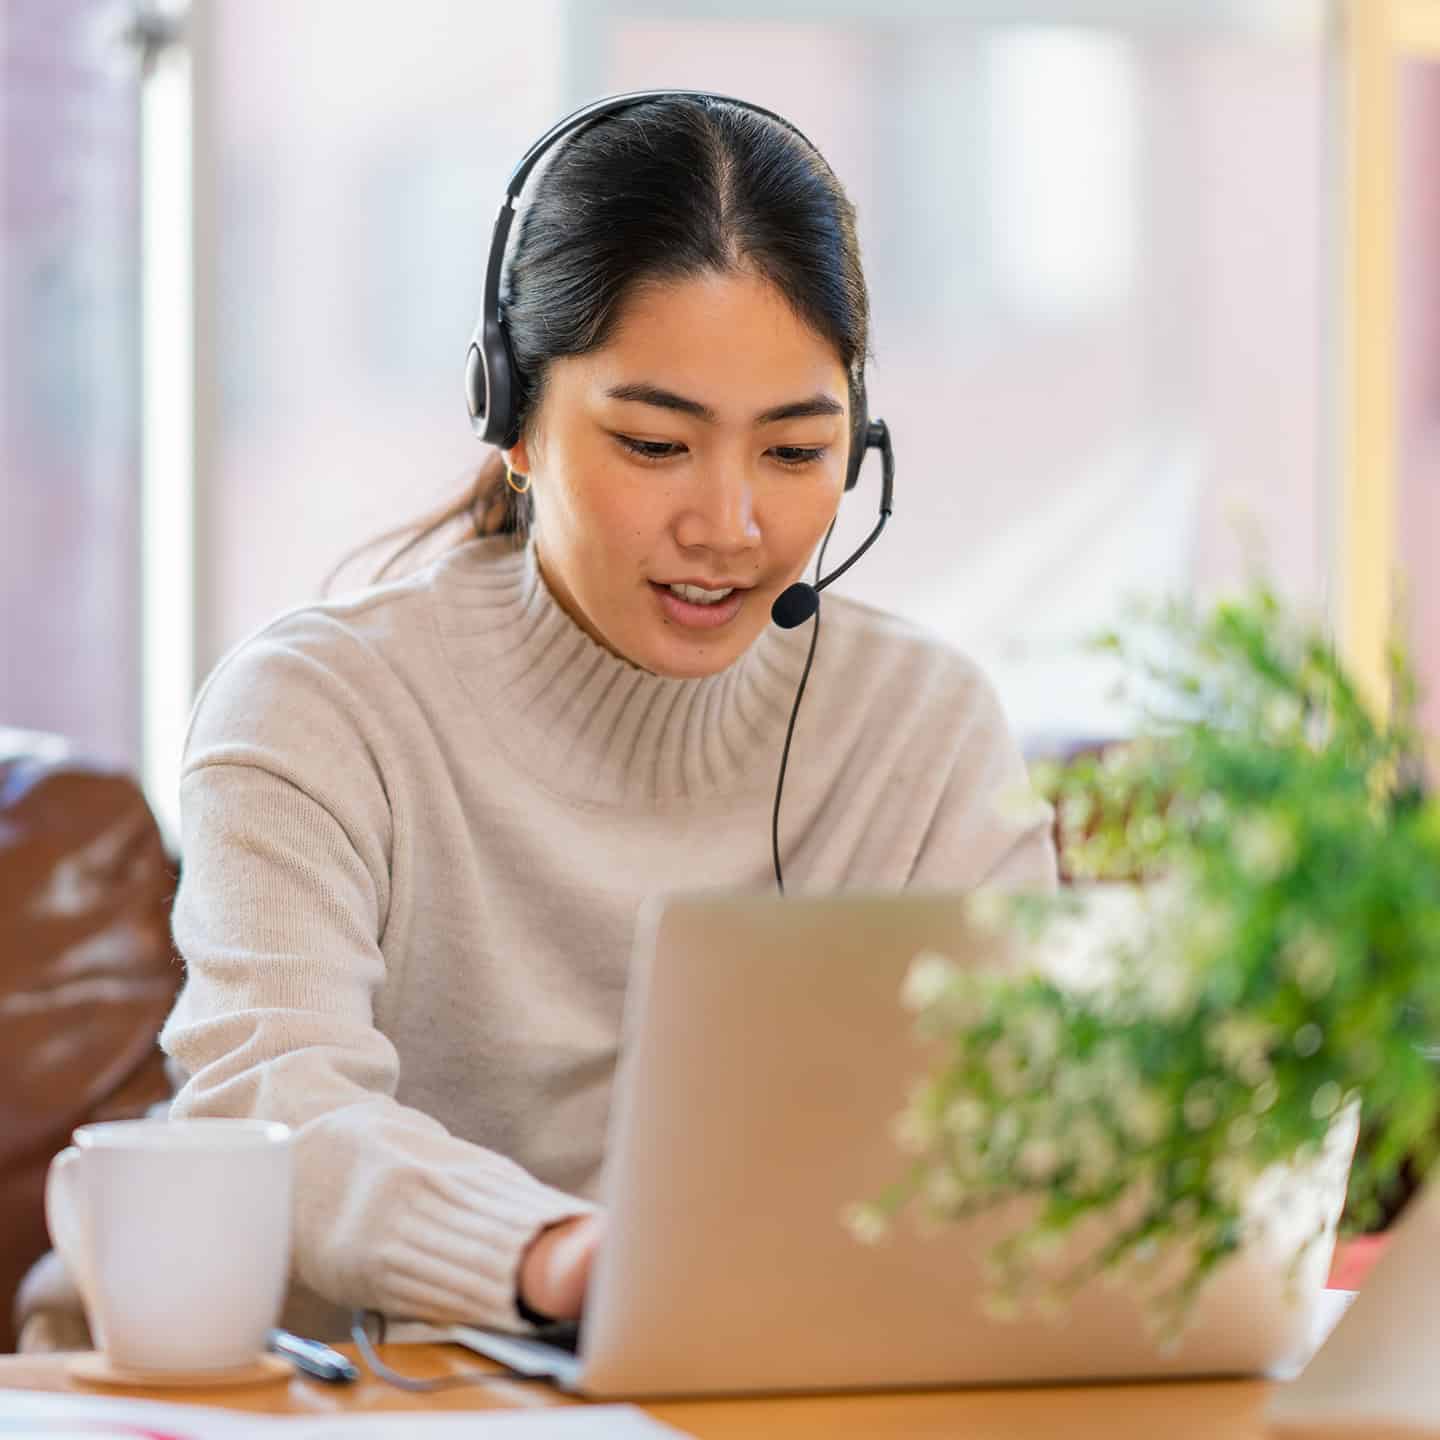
{"points": [[859, 437], [475, 390], [489, 384]]}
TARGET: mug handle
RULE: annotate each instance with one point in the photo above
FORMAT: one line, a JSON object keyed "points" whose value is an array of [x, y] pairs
{"points": [[64, 1217]]}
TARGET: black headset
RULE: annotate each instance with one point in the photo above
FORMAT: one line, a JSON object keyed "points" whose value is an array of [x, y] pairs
{"points": [[490, 388]]}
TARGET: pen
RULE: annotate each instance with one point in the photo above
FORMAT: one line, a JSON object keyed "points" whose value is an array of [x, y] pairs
{"points": [[313, 1358]]}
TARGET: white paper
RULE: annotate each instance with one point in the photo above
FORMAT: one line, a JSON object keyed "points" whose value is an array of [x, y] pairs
{"points": [[584, 1422], [26, 1413], [44, 1416]]}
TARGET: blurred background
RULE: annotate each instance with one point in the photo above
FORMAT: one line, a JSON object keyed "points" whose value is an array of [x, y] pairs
{"points": [[1155, 283]]}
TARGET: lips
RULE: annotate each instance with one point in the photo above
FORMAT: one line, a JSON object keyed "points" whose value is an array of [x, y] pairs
{"points": [[691, 616]]}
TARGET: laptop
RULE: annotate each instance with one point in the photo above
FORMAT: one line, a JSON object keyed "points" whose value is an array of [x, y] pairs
{"points": [[765, 1057]]}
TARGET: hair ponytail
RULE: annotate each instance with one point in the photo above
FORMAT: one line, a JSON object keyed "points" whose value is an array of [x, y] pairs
{"points": [[487, 506]]}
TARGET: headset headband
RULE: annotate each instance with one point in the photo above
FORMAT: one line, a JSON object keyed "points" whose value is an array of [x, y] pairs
{"points": [[490, 370]]}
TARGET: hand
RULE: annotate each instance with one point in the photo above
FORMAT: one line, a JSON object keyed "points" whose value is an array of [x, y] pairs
{"points": [[555, 1269]]}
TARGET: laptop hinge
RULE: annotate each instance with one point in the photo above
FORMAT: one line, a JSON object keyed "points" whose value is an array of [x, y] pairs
{"points": [[520, 1353]]}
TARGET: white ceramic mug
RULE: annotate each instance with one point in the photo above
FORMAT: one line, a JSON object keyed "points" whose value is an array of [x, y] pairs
{"points": [[178, 1236]]}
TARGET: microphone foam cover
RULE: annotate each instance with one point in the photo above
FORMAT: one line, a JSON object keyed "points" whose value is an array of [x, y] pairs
{"points": [[795, 606]]}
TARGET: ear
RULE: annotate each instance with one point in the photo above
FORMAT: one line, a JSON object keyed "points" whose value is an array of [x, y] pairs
{"points": [[518, 457]]}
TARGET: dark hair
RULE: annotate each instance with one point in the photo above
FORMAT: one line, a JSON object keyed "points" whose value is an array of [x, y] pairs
{"points": [[667, 189]]}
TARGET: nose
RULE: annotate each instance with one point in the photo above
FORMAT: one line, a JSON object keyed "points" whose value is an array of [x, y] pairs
{"points": [[719, 514]]}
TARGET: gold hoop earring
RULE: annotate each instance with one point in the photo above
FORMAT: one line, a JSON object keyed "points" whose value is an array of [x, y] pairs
{"points": [[510, 481]]}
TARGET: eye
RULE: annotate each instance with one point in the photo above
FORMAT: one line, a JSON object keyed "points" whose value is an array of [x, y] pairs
{"points": [[793, 457], [796, 456], [651, 450]]}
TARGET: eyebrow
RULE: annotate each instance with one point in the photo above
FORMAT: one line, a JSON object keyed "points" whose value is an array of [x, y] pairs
{"points": [[643, 394]]}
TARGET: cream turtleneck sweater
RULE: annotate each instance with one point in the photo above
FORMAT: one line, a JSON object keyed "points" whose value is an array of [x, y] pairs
{"points": [[417, 825]]}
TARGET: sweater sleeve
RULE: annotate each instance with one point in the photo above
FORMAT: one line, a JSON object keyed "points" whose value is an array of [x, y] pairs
{"points": [[286, 835], [990, 828]]}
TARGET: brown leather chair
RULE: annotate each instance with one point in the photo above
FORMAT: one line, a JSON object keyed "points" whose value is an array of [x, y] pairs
{"points": [[87, 971]]}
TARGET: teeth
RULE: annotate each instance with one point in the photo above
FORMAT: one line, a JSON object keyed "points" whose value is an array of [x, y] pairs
{"points": [[697, 596]]}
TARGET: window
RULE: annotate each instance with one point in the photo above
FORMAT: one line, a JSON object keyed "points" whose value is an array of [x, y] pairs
{"points": [[70, 420], [1101, 259]]}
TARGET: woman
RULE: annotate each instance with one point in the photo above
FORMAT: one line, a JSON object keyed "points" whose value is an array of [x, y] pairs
{"points": [[418, 820]]}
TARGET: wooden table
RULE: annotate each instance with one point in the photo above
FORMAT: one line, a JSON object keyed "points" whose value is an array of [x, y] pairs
{"points": [[1206, 1410]]}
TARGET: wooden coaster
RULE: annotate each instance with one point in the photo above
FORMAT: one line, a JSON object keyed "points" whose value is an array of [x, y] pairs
{"points": [[96, 1369]]}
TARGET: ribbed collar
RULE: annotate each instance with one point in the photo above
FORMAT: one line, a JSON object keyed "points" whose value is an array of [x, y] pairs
{"points": [[589, 725]]}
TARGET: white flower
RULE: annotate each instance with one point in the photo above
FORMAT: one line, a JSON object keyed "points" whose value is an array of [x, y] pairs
{"points": [[1038, 1160], [1039, 1036], [1211, 807], [1282, 717], [1242, 1131], [1077, 1083], [1007, 1069], [1117, 759], [1265, 846], [1142, 1115], [1115, 1072], [913, 1130], [990, 909], [1209, 926], [1006, 1133], [1199, 1106], [1243, 1043], [1145, 1252], [1308, 1039], [1093, 1151], [964, 1116], [1310, 958], [1325, 1101], [1144, 831], [1169, 988], [1231, 1180], [964, 1159], [928, 979], [865, 1223], [943, 1191]]}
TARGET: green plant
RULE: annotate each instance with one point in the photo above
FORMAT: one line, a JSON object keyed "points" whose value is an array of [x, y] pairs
{"points": [[1284, 966]]}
